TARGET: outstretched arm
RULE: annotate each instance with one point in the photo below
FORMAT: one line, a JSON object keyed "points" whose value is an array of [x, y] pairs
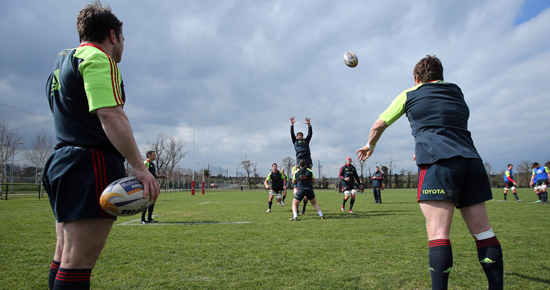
{"points": [[375, 134], [292, 135], [309, 130]]}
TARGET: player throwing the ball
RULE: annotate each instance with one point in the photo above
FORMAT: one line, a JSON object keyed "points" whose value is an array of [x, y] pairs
{"points": [[450, 171]]}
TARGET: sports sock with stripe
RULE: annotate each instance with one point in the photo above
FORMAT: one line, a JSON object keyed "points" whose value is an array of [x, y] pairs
{"points": [[53, 272], [489, 253], [72, 279], [441, 262]]}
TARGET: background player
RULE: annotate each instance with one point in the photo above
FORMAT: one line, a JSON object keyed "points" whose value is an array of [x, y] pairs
{"points": [[301, 145], [510, 183], [286, 185], [86, 94], [278, 184], [451, 172], [348, 175], [376, 185], [304, 179], [540, 173], [151, 156]]}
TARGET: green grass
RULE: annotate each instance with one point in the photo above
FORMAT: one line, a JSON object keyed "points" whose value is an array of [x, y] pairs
{"points": [[225, 240]]}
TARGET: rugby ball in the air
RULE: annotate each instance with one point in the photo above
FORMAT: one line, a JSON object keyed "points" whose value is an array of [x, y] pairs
{"points": [[350, 59], [124, 197]]}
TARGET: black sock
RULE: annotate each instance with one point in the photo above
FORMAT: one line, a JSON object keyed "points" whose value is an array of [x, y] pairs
{"points": [[72, 279], [284, 196], [143, 215], [151, 208], [344, 203], [270, 203], [505, 196], [489, 253], [351, 202], [53, 272], [516, 196], [441, 262], [538, 195]]}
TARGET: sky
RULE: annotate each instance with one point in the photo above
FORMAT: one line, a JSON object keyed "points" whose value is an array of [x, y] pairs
{"points": [[242, 68]]}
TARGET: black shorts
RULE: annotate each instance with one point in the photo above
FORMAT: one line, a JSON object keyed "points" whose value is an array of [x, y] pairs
{"points": [[75, 177], [304, 193], [542, 181], [307, 159], [463, 181], [508, 184], [349, 187]]}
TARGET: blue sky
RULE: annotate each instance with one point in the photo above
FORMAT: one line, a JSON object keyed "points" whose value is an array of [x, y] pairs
{"points": [[245, 67]]}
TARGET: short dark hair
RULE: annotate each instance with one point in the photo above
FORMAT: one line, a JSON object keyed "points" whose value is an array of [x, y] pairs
{"points": [[273, 164], [428, 69], [149, 153], [535, 164], [299, 133], [510, 165], [302, 163], [95, 22]]}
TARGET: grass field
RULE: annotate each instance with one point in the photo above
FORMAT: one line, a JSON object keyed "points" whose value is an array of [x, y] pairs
{"points": [[226, 240]]}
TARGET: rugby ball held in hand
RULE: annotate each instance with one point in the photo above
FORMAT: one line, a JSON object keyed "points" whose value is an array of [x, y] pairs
{"points": [[350, 59], [124, 197]]}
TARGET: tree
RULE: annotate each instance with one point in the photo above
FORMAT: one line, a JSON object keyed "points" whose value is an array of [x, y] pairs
{"points": [[385, 178], [256, 175], [524, 172], [40, 151], [287, 164], [170, 151], [361, 164], [391, 167], [10, 144], [409, 172], [247, 166]]}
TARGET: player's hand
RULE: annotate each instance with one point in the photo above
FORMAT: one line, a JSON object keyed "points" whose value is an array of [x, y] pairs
{"points": [[308, 121], [151, 187], [531, 184], [346, 179], [364, 153], [414, 157], [292, 120], [515, 183]]}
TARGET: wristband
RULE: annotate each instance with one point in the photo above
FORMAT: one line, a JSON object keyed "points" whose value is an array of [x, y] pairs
{"points": [[371, 147]]}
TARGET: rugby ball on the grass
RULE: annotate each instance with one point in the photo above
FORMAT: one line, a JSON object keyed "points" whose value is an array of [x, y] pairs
{"points": [[350, 59], [124, 197]]}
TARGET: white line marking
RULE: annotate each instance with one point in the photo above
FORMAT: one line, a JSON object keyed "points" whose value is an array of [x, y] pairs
{"points": [[204, 202], [136, 222]]}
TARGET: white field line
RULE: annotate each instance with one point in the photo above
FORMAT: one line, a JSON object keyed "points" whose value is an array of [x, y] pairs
{"points": [[204, 202], [137, 223]]}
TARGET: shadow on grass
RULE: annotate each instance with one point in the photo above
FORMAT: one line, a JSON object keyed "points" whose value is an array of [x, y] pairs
{"points": [[364, 214], [531, 278]]}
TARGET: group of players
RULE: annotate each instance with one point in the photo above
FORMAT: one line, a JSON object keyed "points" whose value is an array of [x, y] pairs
{"points": [[86, 95], [539, 182]]}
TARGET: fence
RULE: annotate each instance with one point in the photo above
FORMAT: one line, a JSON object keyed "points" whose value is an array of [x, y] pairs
{"points": [[21, 189]]}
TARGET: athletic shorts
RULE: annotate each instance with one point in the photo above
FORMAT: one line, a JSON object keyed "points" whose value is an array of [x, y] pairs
{"points": [[508, 184], [274, 191], [542, 181], [75, 177], [460, 180], [304, 193], [307, 159], [349, 187]]}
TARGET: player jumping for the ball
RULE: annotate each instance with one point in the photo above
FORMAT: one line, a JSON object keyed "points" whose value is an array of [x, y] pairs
{"points": [[301, 145]]}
